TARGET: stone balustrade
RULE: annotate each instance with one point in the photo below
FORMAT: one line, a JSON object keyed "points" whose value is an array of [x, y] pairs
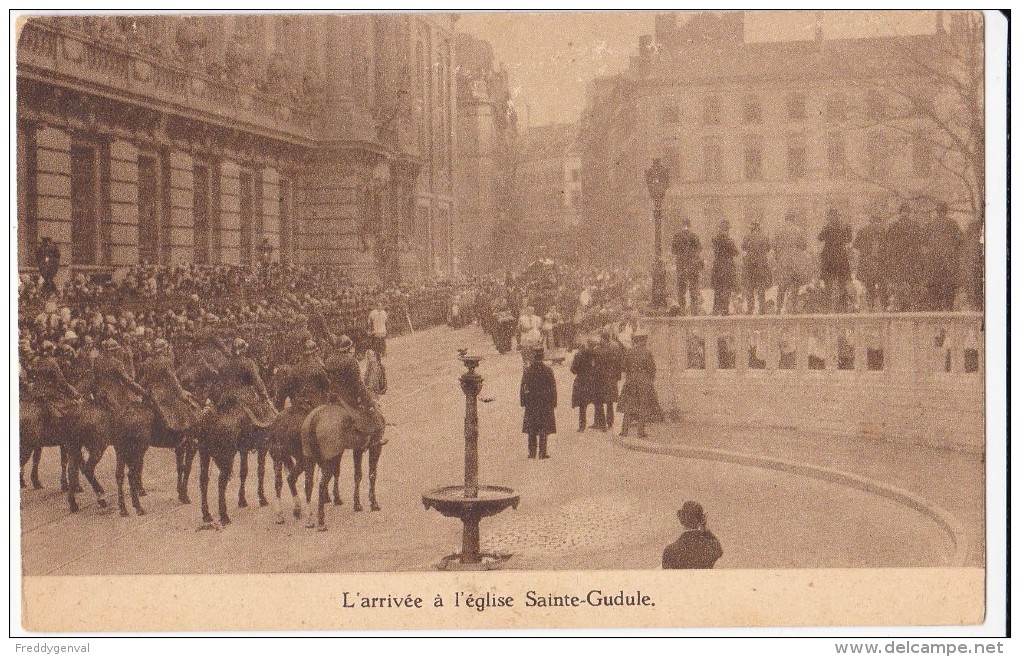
{"points": [[102, 65], [905, 377]]}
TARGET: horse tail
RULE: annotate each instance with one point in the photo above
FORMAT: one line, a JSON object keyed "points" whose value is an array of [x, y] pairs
{"points": [[309, 429]]}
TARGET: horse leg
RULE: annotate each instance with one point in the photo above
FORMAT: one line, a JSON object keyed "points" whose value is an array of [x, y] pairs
{"points": [[73, 457], [89, 470], [24, 456], [357, 478], [309, 469], [135, 463], [278, 488], [328, 471], [203, 484], [242, 501], [188, 460], [374, 453], [63, 468], [294, 469], [261, 473], [36, 455], [336, 487], [120, 481], [226, 466]]}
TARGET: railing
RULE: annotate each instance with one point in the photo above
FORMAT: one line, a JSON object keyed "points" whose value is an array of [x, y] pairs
{"points": [[68, 52], [914, 378]]}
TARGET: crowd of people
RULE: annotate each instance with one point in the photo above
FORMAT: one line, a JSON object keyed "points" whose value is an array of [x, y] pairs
{"points": [[919, 261]]}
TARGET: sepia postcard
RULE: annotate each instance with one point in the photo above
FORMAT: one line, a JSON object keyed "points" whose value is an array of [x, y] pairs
{"points": [[418, 320]]}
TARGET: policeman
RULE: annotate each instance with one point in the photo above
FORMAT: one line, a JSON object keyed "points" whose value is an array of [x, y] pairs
{"points": [[175, 405]]}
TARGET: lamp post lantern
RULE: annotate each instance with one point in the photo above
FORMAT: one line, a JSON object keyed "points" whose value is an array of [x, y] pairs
{"points": [[657, 179]]}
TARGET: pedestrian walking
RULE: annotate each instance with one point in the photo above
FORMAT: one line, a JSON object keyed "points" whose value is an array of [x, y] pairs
{"points": [[697, 547], [538, 397], [608, 372]]}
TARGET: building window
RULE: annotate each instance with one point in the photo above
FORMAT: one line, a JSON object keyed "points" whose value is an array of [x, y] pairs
{"points": [[671, 113], [713, 110], [796, 107], [87, 201], [246, 202], [713, 160], [922, 155], [288, 235], [28, 195], [877, 107], [151, 221], [836, 108], [796, 161], [202, 208], [753, 159], [837, 156], [753, 112], [878, 157]]}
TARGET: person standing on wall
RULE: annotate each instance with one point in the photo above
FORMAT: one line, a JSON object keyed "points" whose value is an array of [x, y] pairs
{"points": [[687, 255], [377, 328], [724, 269]]}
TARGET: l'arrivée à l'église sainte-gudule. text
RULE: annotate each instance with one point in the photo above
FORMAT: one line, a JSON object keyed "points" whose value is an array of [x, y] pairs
{"points": [[482, 601]]}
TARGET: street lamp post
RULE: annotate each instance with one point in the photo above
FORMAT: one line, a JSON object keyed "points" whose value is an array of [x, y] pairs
{"points": [[657, 179]]}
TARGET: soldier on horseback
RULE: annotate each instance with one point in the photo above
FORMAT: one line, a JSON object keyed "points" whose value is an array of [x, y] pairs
{"points": [[50, 387], [176, 406], [112, 385], [308, 384], [240, 384], [348, 389]]}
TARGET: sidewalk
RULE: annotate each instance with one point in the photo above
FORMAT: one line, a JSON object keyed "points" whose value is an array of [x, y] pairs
{"points": [[948, 479]]}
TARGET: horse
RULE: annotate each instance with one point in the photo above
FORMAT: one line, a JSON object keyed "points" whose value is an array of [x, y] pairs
{"points": [[328, 431], [94, 427], [33, 436]]}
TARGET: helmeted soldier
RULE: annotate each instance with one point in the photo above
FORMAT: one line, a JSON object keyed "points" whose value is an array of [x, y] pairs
{"points": [[112, 385], [308, 385], [49, 384], [175, 405], [296, 340], [348, 388], [241, 384]]}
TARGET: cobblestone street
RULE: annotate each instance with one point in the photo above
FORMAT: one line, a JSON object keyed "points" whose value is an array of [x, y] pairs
{"points": [[593, 505]]}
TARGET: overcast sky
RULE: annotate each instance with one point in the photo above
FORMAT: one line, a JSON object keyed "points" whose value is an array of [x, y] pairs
{"points": [[552, 56]]}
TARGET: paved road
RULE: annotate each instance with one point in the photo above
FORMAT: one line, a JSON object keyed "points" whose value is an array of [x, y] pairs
{"points": [[593, 505]]}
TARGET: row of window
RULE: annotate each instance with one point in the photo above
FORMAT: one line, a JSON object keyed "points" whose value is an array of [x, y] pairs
{"points": [[795, 109], [878, 164]]}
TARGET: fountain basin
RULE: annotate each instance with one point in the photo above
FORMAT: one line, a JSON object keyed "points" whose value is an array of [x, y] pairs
{"points": [[453, 502]]}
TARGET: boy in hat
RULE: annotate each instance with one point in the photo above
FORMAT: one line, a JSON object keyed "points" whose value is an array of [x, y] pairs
{"points": [[538, 397]]}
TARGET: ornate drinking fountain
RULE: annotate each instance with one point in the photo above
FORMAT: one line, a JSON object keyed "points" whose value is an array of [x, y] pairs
{"points": [[471, 502]]}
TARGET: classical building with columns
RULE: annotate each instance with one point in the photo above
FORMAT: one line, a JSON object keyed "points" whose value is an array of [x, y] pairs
{"points": [[313, 139]]}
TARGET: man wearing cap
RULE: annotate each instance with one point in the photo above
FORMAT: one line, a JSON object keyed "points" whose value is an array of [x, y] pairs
{"points": [[307, 385], [49, 384], [697, 547], [538, 397], [348, 388], [377, 327], [687, 254], [639, 402], [175, 405], [240, 383], [112, 385]]}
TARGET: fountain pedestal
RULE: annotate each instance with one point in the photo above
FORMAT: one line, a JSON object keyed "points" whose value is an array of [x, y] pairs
{"points": [[471, 502]]}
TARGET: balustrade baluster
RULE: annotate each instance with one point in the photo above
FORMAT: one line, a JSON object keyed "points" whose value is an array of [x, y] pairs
{"points": [[742, 345], [802, 336], [711, 348]]}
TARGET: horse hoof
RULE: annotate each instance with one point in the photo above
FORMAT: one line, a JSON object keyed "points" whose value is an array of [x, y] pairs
{"points": [[242, 504], [123, 513], [297, 513], [338, 502], [357, 507], [263, 502], [36, 485], [280, 520], [224, 520], [139, 511], [376, 507], [142, 492], [310, 525], [73, 508], [209, 524], [323, 528], [101, 503], [184, 499]]}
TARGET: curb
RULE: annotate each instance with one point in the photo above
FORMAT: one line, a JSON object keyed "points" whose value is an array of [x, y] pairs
{"points": [[947, 521]]}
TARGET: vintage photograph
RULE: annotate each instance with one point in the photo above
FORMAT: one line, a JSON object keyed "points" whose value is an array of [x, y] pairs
{"points": [[574, 291]]}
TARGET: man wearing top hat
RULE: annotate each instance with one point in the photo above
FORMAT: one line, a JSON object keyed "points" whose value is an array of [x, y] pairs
{"points": [[697, 547], [538, 397]]}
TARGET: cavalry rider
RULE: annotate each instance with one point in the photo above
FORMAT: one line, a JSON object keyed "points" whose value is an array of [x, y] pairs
{"points": [[112, 386], [297, 339], [241, 384], [175, 405], [348, 388], [49, 385], [308, 384]]}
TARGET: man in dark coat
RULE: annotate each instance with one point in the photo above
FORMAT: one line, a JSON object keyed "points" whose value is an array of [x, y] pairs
{"points": [[724, 269], [639, 402], [697, 547], [538, 397], [585, 389], [49, 384], [47, 258], [608, 371], [348, 388], [835, 261], [112, 384], [871, 269], [240, 383], [945, 240], [903, 256], [175, 405], [308, 384], [687, 255], [757, 274]]}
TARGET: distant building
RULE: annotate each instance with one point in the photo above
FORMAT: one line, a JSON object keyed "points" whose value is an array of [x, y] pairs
{"points": [[486, 153], [755, 129], [172, 139], [550, 190]]}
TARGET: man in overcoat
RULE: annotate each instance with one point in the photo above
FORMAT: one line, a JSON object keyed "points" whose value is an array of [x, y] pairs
{"points": [[697, 546], [757, 274], [687, 255], [308, 384], [49, 384], [348, 387], [585, 390], [538, 397], [945, 241], [835, 260], [871, 268], [903, 256], [639, 402], [48, 262], [608, 371], [724, 269], [112, 385], [175, 405], [790, 246], [240, 383]]}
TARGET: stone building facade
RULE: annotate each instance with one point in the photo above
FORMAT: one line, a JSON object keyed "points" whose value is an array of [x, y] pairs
{"points": [[756, 129], [317, 139]]}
